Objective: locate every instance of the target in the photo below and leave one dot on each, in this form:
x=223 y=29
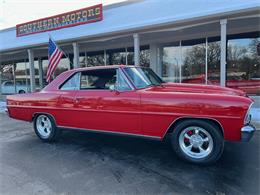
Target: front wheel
x=45 y=128
x=197 y=141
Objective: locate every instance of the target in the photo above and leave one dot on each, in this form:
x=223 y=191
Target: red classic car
x=131 y=100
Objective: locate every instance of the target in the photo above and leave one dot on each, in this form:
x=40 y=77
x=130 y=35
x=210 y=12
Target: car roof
x=63 y=76
x=102 y=67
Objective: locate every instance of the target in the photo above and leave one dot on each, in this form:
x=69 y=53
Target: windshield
x=143 y=77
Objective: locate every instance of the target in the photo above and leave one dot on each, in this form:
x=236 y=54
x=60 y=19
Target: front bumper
x=247 y=132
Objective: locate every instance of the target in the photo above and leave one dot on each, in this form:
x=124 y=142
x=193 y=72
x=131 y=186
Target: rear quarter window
x=73 y=83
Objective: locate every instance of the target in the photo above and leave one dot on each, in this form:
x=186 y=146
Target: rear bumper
x=247 y=132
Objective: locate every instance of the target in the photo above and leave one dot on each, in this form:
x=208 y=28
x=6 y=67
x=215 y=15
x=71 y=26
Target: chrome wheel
x=196 y=142
x=43 y=126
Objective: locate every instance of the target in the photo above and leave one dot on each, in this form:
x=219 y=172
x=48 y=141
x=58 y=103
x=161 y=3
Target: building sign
x=73 y=18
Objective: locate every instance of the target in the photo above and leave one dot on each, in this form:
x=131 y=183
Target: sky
x=13 y=12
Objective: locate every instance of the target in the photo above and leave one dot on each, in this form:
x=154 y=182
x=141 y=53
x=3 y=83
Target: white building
x=209 y=42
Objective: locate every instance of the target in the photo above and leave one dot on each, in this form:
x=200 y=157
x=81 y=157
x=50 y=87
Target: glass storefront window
x=22 y=77
x=243 y=65
x=63 y=66
x=7 y=79
x=186 y=62
x=95 y=58
x=44 y=70
x=213 y=56
x=82 y=60
x=130 y=56
x=193 y=61
x=37 y=77
x=116 y=56
x=144 y=56
x=171 y=62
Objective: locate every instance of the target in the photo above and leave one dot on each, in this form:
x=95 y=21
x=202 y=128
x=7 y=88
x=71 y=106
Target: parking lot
x=88 y=163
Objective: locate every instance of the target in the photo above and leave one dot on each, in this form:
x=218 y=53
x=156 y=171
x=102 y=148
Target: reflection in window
x=144 y=56
x=98 y=79
x=213 y=62
x=63 y=66
x=116 y=56
x=73 y=83
x=122 y=85
x=36 y=69
x=243 y=65
x=171 y=62
x=95 y=58
x=193 y=61
x=130 y=56
x=189 y=60
x=22 y=77
x=7 y=79
x=82 y=60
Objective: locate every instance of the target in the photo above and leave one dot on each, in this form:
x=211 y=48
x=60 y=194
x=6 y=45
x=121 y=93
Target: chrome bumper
x=247 y=132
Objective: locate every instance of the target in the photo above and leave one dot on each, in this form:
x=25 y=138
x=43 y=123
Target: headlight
x=247 y=119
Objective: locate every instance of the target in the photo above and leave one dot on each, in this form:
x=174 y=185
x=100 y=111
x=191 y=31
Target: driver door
x=119 y=107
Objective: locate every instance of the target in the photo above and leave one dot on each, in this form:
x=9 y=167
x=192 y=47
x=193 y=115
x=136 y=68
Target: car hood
x=194 y=88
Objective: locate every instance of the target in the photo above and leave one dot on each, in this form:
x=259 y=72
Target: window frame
x=118 y=71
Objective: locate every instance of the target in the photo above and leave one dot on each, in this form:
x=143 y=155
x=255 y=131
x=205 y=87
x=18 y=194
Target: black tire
x=21 y=92
x=213 y=131
x=54 y=132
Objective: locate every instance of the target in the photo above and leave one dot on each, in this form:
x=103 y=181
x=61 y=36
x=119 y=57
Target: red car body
x=148 y=112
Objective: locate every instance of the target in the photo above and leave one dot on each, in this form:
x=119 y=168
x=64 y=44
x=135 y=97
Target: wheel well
x=39 y=113
x=179 y=120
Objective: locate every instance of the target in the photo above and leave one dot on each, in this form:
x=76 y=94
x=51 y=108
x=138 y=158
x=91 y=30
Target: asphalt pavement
x=89 y=163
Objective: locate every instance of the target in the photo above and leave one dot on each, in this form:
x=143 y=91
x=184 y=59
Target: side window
x=87 y=81
x=9 y=84
x=122 y=84
x=72 y=84
x=99 y=79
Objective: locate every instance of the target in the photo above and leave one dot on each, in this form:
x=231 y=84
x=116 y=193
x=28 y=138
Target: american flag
x=54 y=56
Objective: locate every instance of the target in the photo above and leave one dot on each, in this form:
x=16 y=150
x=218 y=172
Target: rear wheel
x=197 y=141
x=45 y=128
